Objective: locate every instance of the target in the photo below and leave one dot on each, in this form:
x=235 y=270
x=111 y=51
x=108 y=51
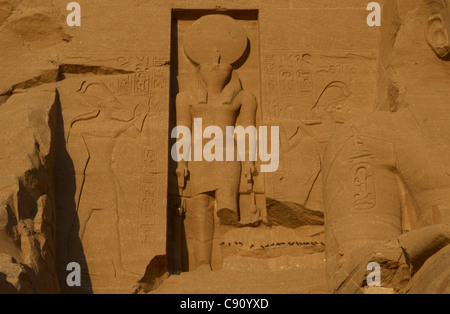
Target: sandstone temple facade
x=348 y=168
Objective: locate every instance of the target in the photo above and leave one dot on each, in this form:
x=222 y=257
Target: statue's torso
x=221 y=115
x=208 y=176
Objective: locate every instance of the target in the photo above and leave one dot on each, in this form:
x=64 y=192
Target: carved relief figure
x=99 y=130
x=308 y=138
x=387 y=183
x=214 y=43
x=330 y=87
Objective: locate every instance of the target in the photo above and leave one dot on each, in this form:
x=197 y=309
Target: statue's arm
x=247 y=115
x=362 y=193
x=247 y=118
x=184 y=119
x=110 y=128
x=362 y=199
x=358 y=235
x=296 y=140
x=119 y=126
x=74 y=124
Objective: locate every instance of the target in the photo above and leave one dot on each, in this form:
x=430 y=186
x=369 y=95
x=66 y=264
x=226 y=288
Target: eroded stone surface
x=27 y=199
x=86 y=175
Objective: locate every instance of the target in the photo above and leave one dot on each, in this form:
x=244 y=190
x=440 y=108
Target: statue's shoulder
x=245 y=98
x=246 y=94
x=185 y=98
x=243 y=95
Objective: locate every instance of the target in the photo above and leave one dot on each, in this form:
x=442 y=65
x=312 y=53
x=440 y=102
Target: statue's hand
x=393 y=266
x=249 y=170
x=141 y=110
x=182 y=173
x=140 y=114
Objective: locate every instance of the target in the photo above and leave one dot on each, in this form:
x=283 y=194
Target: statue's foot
x=228 y=217
x=205 y=268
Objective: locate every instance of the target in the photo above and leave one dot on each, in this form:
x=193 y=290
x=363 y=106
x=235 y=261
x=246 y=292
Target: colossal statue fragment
x=387 y=184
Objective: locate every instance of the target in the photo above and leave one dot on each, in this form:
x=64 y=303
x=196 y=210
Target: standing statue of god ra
x=215 y=101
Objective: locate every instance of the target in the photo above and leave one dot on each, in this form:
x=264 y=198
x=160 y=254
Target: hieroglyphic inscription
x=362 y=175
x=363 y=187
x=150 y=79
x=309 y=94
x=134 y=92
x=298 y=78
x=148 y=84
x=148 y=204
x=358 y=148
x=279 y=186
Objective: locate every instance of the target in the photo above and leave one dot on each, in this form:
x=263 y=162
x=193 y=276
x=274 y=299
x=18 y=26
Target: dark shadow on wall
x=177 y=257
x=68 y=244
x=292 y=215
x=155 y=273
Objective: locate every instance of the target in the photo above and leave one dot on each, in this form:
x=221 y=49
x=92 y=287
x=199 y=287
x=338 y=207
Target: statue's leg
x=201 y=220
x=115 y=243
x=227 y=205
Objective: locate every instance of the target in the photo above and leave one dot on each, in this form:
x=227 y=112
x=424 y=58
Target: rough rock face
x=27 y=200
x=87 y=176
